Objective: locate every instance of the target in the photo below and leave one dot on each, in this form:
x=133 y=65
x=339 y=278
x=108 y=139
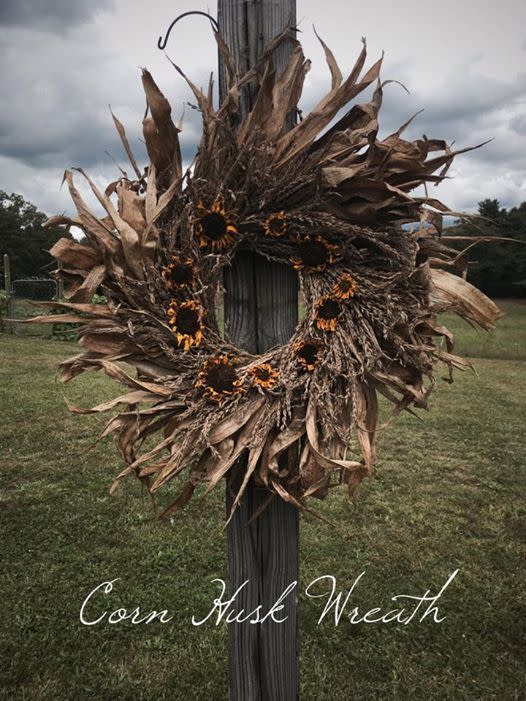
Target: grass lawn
x=507 y=341
x=447 y=494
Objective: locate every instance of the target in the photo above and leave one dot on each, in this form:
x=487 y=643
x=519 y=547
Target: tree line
x=24 y=239
x=497 y=268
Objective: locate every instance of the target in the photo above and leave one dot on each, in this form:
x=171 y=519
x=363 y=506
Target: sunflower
x=276 y=225
x=346 y=287
x=186 y=321
x=216 y=227
x=178 y=273
x=264 y=375
x=314 y=254
x=328 y=311
x=218 y=378
x=308 y=353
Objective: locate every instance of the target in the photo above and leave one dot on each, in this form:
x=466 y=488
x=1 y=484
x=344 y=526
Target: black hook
x=161 y=44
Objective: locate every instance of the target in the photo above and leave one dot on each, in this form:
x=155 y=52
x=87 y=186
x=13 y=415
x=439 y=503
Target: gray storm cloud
x=51 y=14
x=57 y=85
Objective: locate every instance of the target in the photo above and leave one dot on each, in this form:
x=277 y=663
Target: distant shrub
x=60 y=331
x=68 y=332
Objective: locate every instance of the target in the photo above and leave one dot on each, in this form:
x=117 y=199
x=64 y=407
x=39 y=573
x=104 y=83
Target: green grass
x=446 y=495
x=507 y=341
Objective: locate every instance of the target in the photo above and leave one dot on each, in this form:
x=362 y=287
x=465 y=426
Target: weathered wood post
x=261 y=311
x=9 y=326
x=60 y=282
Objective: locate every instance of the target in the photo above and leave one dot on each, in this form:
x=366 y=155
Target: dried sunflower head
x=264 y=375
x=216 y=226
x=276 y=225
x=186 y=321
x=178 y=273
x=328 y=311
x=218 y=378
x=314 y=254
x=345 y=288
x=308 y=353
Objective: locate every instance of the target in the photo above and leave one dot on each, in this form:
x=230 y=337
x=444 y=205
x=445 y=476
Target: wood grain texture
x=240 y=302
x=263 y=658
x=261 y=302
x=261 y=311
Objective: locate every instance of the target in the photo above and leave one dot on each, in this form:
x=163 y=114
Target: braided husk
x=330 y=202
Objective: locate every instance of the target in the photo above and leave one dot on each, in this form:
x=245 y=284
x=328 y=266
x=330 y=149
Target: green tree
x=23 y=237
x=491 y=209
x=497 y=268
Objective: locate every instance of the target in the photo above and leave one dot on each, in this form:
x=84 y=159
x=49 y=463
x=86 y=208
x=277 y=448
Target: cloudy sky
x=65 y=61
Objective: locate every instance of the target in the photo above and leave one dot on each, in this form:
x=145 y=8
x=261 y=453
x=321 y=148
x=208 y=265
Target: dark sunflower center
x=221 y=378
x=187 y=321
x=263 y=374
x=308 y=353
x=328 y=309
x=276 y=225
x=214 y=225
x=313 y=253
x=345 y=285
x=181 y=274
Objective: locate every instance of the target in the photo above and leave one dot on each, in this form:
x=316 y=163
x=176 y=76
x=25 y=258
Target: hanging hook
x=161 y=44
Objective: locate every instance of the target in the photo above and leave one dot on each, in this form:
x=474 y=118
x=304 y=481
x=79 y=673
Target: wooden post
x=60 y=282
x=7 y=274
x=9 y=326
x=261 y=311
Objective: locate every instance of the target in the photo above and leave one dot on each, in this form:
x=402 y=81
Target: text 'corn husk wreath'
x=330 y=203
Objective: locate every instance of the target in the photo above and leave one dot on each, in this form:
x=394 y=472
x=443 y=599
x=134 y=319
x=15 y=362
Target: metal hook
x=161 y=44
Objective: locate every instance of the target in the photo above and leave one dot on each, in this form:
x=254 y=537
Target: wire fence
x=24 y=304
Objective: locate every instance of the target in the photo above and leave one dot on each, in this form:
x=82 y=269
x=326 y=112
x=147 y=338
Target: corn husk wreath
x=329 y=202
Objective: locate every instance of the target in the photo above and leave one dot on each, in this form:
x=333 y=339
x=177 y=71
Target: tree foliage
x=497 y=268
x=24 y=239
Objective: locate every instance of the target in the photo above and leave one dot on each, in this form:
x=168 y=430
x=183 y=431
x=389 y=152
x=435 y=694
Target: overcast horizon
x=63 y=64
